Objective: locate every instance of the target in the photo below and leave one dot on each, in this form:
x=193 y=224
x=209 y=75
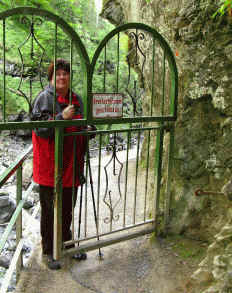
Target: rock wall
x=203 y=141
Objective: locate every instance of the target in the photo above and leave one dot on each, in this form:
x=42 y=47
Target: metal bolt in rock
x=200 y=192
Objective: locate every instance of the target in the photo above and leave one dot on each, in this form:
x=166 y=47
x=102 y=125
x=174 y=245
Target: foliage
x=31 y=62
x=78 y=14
x=224 y=6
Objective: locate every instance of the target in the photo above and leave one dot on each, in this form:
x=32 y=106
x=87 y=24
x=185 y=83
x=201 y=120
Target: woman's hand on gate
x=91 y=128
x=68 y=112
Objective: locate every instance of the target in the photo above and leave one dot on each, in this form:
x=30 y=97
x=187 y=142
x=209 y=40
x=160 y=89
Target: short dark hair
x=60 y=64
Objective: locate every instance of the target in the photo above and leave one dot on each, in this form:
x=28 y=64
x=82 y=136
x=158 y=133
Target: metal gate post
x=19 y=263
x=57 y=244
x=4 y=71
x=158 y=169
x=168 y=185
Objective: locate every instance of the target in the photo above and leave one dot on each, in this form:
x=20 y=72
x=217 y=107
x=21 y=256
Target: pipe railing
x=16 y=219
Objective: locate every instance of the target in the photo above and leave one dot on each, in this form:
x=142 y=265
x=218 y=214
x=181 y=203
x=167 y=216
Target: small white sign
x=107 y=105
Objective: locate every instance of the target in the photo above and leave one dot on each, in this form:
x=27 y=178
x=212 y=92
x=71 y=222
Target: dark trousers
x=46 y=194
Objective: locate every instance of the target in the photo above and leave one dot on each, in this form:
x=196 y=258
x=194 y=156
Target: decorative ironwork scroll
x=133 y=58
x=33 y=71
x=108 y=199
x=133 y=55
x=134 y=98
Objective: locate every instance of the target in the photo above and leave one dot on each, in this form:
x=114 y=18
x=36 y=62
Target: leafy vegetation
x=225 y=6
x=78 y=14
x=30 y=48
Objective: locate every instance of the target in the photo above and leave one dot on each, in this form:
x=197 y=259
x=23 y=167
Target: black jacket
x=42 y=109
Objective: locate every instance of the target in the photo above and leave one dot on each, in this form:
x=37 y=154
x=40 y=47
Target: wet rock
x=4 y=199
x=27 y=172
x=5 y=164
x=220 y=261
x=4 y=261
x=227 y=190
x=28 y=204
x=26 y=248
x=11 y=288
x=11 y=245
x=213 y=289
x=213 y=249
x=5 y=133
x=202 y=276
x=36 y=188
x=228 y=279
x=6 y=212
x=113 y=12
x=217 y=263
x=22 y=116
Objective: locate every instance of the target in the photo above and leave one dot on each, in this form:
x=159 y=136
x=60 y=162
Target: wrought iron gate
x=130 y=93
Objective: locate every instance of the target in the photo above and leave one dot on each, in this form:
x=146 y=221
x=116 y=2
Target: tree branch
x=16 y=92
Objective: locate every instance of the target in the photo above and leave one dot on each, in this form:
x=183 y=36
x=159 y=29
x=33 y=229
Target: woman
x=43 y=155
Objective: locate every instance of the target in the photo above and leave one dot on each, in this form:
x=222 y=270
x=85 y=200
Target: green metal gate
x=130 y=93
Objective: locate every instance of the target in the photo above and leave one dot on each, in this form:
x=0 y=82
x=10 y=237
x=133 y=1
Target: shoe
x=80 y=256
x=50 y=262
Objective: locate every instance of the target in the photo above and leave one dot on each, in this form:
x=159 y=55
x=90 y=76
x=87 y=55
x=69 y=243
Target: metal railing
x=16 y=219
x=113 y=196
x=160 y=109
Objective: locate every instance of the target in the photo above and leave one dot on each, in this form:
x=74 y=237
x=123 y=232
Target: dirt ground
x=140 y=265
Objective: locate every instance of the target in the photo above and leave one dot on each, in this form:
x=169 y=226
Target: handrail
x=83 y=122
x=16 y=217
x=18 y=251
x=12 y=169
x=90 y=132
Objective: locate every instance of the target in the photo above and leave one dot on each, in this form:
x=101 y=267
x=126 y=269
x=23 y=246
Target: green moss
x=153 y=237
x=187 y=249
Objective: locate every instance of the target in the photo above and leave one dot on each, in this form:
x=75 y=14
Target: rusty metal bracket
x=200 y=192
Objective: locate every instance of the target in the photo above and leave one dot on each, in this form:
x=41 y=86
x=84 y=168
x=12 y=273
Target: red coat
x=44 y=154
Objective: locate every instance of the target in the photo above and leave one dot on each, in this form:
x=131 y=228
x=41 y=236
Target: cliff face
x=202 y=46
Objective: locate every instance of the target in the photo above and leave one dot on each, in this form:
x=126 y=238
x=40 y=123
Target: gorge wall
x=202 y=46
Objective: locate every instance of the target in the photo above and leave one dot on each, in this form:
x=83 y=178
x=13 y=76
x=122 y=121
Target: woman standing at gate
x=43 y=155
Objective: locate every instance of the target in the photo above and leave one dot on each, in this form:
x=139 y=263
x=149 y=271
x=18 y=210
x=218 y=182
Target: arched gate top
x=56 y=19
x=141 y=26
x=156 y=52
x=137 y=32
